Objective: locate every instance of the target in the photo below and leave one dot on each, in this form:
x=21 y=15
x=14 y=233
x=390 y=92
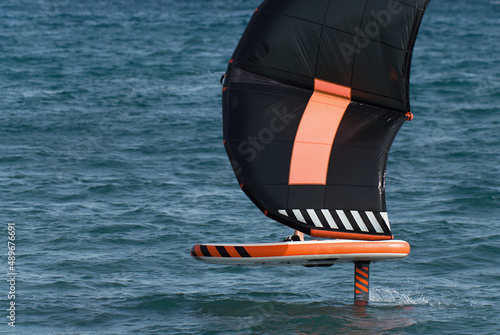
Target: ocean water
x=112 y=167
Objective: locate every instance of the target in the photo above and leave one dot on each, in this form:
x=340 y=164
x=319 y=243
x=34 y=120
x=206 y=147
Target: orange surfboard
x=307 y=253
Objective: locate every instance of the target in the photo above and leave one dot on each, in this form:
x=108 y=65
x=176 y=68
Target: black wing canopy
x=314 y=95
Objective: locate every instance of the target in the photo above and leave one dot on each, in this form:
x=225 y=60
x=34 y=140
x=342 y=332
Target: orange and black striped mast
x=361 y=283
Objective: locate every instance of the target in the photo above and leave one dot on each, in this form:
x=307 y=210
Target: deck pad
x=307 y=253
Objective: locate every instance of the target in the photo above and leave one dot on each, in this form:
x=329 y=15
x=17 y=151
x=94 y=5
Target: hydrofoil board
x=307 y=253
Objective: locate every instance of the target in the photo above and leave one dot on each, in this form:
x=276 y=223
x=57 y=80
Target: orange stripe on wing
x=316 y=133
x=331 y=88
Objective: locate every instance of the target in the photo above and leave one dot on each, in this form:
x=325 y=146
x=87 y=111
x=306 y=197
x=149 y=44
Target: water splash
x=393 y=296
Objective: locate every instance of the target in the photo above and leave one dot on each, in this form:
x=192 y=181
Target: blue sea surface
x=112 y=167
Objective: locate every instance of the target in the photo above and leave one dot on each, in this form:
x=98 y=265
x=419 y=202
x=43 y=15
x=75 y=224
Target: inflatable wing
x=314 y=96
